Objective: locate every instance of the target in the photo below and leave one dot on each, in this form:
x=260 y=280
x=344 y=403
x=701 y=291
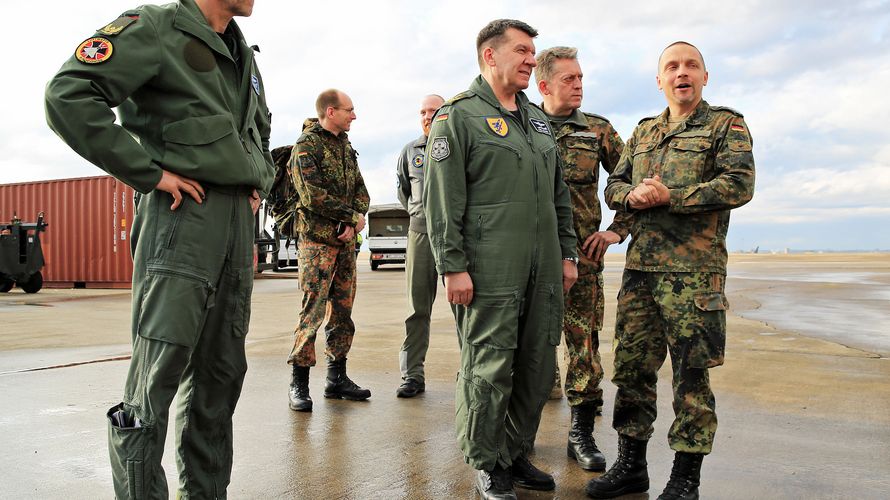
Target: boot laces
x=679 y=485
x=621 y=466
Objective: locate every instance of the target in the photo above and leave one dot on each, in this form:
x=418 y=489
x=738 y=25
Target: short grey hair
x=546 y=59
x=494 y=31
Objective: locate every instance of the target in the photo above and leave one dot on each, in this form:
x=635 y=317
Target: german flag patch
x=737 y=127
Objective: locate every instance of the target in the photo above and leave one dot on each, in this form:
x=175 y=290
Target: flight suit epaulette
x=647 y=119
x=594 y=115
x=463 y=95
x=728 y=109
x=120 y=24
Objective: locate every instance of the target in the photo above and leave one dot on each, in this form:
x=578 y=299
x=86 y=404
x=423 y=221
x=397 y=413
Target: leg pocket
x=492 y=318
x=130 y=452
x=553 y=301
x=475 y=424
x=173 y=305
x=707 y=347
x=238 y=301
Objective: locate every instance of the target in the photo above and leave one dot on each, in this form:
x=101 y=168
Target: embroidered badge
x=118 y=25
x=94 y=50
x=498 y=126
x=737 y=127
x=418 y=160
x=442 y=118
x=256 y=84
x=540 y=125
x=439 y=149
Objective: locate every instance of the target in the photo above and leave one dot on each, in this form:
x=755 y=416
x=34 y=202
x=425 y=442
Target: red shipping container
x=87 y=243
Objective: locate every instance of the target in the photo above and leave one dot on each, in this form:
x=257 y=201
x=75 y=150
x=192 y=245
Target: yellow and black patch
x=120 y=24
x=498 y=126
x=94 y=50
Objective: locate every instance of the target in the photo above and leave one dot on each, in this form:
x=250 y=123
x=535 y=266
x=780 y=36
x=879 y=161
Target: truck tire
x=374 y=265
x=6 y=284
x=34 y=283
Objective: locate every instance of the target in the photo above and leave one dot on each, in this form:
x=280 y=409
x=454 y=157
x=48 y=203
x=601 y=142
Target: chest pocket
x=643 y=161
x=686 y=161
x=493 y=172
x=581 y=160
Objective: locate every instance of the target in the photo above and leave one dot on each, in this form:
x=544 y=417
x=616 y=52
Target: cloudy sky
x=811 y=78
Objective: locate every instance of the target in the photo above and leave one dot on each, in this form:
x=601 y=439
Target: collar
x=312 y=125
x=420 y=142
x=483 y=90
x=698 y=117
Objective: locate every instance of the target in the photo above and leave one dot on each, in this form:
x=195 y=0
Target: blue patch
x=256 y=84
x=418 y=160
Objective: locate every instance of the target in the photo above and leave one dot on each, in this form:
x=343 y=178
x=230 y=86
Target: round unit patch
x=94 y=50
x=418 y=160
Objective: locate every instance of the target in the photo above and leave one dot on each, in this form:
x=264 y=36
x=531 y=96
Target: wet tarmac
x=800 y=416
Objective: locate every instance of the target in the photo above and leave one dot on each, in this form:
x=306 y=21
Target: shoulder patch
x=118 y=25
x=727 y=109
x=441 y=117
x=463 y=95
x=439 y=149
x=594 y=115
x=94 y=50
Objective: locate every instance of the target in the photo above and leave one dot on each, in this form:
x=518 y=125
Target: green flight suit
x=185 y=105
x=497 y=207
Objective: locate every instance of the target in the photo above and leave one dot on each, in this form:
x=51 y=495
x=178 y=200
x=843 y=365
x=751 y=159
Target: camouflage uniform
x=671 y=298
x=331 y=192
x=586 y=141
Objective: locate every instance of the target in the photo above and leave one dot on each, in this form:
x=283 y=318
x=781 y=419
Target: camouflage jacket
x=331 y=190
x=587 y=141
x=707 y=164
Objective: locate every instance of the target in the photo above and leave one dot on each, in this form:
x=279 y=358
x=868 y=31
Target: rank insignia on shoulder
x=442 y=117
x=94 y=50
x=118 y=25
x=498 y=126
x=439 y=149
x=540 y=126
x=418 y=160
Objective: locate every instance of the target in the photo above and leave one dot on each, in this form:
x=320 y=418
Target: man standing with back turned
x=420 y=269
x=680 y=175
x=500 y=224
x=193 y=140
x=586 y=141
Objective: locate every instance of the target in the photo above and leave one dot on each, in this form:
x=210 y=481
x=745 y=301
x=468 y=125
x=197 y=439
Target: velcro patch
x=418 y=160
x=94 y=50
x=540 y=126
x=439 y=149
x=442 y=117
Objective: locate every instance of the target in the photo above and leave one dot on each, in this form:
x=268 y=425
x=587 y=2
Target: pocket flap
x=695 y=145
x=644 y=147
x=710 y=301
x=198 y=130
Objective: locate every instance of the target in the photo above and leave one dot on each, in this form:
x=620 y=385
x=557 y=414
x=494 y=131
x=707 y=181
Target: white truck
x=387 y=234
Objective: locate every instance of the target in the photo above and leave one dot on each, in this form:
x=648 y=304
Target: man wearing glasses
x=331 y=210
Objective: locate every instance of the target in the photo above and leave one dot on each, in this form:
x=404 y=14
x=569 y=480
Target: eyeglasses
x=348 y=110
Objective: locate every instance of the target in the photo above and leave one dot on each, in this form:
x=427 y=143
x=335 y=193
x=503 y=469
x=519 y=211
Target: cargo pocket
x=129 y=446
x=551 y=320
x=238 y=310
x=708 y=346
x=475 y=431
x=174 y=304
x=492 y=319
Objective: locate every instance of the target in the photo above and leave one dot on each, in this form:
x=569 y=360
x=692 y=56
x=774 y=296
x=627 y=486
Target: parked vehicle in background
x=21 y=256
x=387 y=234
x=287 y=252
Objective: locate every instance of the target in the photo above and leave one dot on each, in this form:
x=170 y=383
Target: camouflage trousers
x=581 y=325
x=327 y=279
x=683 y=314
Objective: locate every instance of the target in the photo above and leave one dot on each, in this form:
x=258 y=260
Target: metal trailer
x=387 y=234
x=21 y=256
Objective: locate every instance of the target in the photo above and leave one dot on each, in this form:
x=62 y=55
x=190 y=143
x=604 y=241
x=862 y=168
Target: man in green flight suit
x=680 y=175
x=499 y=219
x=586 y=141
x=193 y=141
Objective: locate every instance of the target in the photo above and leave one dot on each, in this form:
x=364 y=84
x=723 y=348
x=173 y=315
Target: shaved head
x=680 y=42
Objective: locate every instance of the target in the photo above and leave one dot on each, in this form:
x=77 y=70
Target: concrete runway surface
x=801 y=415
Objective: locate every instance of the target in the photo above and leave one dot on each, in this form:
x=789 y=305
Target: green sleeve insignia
x=118 y=25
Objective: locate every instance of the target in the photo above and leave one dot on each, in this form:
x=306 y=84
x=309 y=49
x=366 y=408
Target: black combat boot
x=582 y=446
x=495 y=484
x=526 y=475
x=627 y=475
x=685 y=476
x=340 y=386
x=299 y=390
